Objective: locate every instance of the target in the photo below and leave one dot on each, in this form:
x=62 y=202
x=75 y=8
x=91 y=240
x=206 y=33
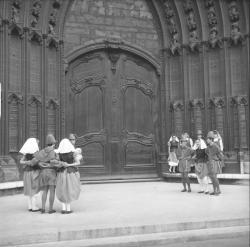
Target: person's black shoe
x=184 y=190
x=42 y=211
x=213 y=194
x=189 y=190
x=30 y=210
x=36 y=210
x=206 y=193
x=52 y=211
x=201 y=191
x=68 y=212
x=63 y=212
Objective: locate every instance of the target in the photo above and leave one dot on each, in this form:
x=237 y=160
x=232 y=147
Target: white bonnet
x=30 y=146
x=65 y=146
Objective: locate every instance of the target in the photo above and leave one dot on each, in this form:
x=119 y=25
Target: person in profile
x=31 y=172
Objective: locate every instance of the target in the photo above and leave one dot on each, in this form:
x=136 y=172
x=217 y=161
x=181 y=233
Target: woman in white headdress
x=31 y=172
x=173 y=145
x=68 y=186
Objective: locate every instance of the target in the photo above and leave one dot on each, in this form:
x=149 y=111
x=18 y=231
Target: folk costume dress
x=31 y=172
x=184 y=155
x=68 y=186
x=201 y=165
x=172 y=159
x=48 y=169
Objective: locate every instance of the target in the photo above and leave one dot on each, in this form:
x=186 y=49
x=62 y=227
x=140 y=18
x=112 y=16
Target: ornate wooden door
x=112 y=109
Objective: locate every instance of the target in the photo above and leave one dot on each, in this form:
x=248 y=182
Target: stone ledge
x=11 y=185
x=223 y=176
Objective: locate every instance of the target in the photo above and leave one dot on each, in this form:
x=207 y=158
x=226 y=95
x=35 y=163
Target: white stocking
x=33 y=203
x=29 y=202
x=63 y=206
x=67 y=206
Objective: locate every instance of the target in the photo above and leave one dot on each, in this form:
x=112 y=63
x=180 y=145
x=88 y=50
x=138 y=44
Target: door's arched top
x=114 y=44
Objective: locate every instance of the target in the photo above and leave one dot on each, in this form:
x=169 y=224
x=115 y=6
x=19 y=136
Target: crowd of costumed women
x=51 y=171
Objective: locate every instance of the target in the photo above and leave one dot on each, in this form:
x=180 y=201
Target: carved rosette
x=236 y=37
x=197 y=105
x=175 y=46
x=177 y=108
x=241 y=103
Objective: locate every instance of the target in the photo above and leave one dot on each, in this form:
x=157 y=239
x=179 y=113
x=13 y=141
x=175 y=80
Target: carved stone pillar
x=197 y=105
x=177 y=108
x=219 y=104
x=241 y=102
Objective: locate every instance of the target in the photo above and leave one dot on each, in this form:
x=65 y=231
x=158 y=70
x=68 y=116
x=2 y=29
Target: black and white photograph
x=124 y=123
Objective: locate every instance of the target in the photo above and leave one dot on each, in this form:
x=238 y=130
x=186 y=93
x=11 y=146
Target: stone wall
x=129 y=20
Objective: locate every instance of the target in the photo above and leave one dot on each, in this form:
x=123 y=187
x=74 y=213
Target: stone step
x=72 y=234
x=154 y=239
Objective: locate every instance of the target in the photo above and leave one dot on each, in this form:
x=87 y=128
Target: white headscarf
x=30 y=146
x=171 y=139
x=65 y=146
x=202 y=145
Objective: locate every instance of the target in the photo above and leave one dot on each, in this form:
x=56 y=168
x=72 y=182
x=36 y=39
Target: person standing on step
x=201 y=163
x=31 y=172
x=68 y=180
x=184 y=155
x=215 y=157
x=173 y=145
x=47 y=181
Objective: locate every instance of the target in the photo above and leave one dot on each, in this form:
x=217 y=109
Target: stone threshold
x=222 y=176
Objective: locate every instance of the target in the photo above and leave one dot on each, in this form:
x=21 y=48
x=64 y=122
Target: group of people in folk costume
x=205 y=156
x=51 y=170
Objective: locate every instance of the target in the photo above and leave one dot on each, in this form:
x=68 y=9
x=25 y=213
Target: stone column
x=241 y=102
x=177 y=108
x=219 y=104
x=197 y=105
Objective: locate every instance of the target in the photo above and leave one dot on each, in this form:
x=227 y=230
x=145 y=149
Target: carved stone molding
x=137 y=137
x=15 y=96
x=15 y=29
x=36 y=37
x=52 y=42
x=94 y=137
x=196 y=103
x=52 y=102
x=177 y=105
x=35 y=99
x=217 y=102
x=240 y=100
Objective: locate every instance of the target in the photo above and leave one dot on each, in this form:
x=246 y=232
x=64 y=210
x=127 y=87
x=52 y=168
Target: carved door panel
x=113 y=113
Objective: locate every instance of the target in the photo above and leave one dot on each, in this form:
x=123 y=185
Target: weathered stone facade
x=124 y=75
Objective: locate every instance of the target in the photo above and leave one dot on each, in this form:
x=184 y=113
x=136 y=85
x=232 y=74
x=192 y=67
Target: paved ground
x=126 y=204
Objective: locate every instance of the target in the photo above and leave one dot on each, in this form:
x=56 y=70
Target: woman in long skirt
x=31 y=172
x=173 y=144
x=68 y=185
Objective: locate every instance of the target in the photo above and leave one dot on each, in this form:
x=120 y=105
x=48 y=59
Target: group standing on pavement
x=51 y=170
x=206 y=156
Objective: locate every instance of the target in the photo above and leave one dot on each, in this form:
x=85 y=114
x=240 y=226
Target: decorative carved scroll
x=175 y=46
x=78 y=86
x=35 y=12
x=213 y=40
x=194 y=42
x=137 y=137
x=98 y=137
x=236 y=37
x=145 y=86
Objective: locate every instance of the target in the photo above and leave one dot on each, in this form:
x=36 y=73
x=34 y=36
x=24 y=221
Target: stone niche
x=9 y=169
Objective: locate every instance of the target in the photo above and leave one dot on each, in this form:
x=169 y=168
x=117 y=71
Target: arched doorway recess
x=112 y=106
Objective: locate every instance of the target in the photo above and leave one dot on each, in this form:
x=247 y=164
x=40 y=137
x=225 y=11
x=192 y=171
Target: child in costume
x=201 y=163
x=215 y=158
x=173 y=144
x=68 y=185
x=184 y=155
x=31 y=172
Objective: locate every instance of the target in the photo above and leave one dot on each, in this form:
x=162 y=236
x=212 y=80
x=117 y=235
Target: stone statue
x=233 y=12
x=193 y=40
x=236 y=35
